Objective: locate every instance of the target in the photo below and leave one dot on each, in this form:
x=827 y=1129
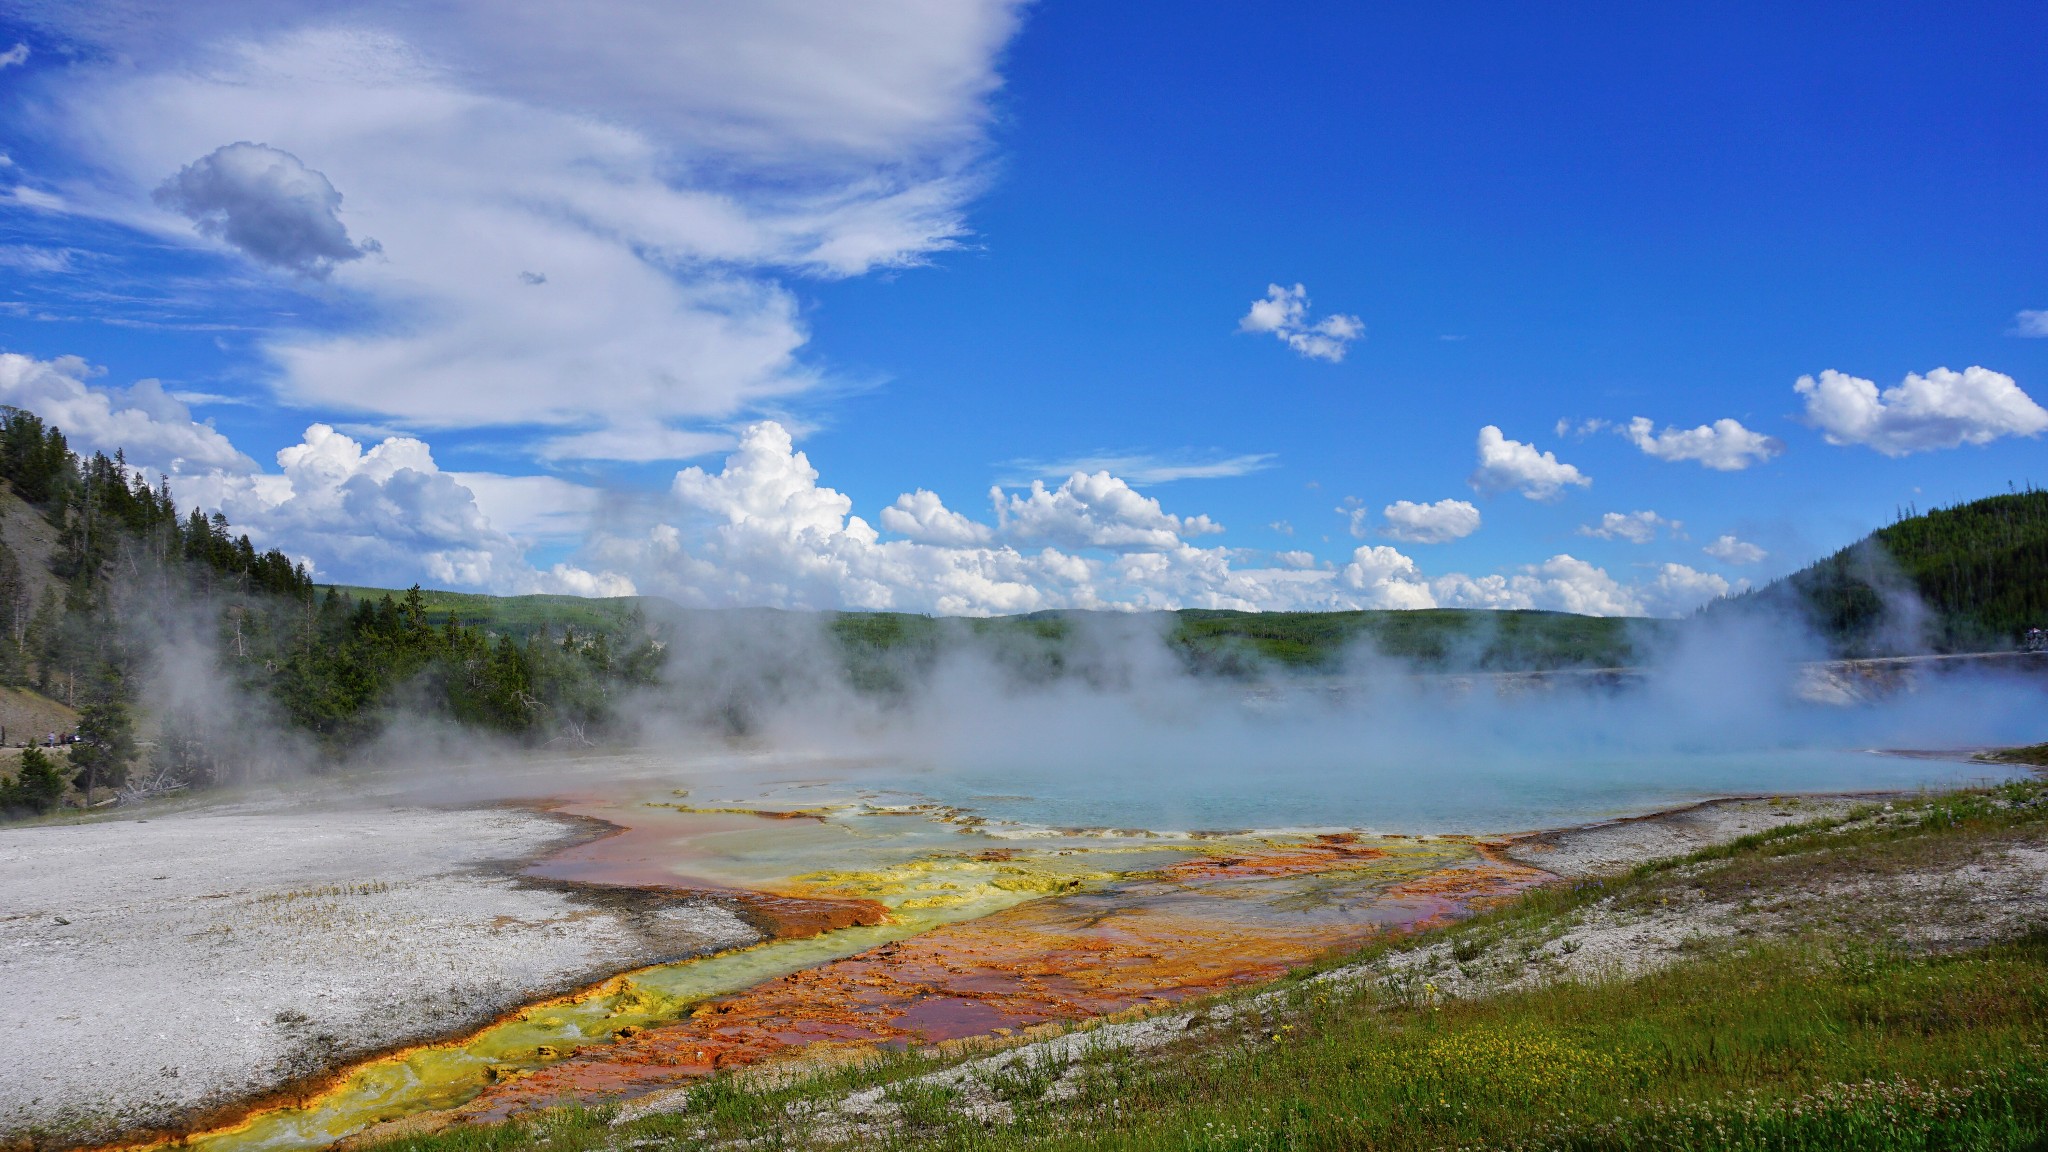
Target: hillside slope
x=1973 y=577
x=33 y=540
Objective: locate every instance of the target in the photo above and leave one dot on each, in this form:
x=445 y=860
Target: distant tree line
x=1972 y=577
x=129 y=571
x=348 y=660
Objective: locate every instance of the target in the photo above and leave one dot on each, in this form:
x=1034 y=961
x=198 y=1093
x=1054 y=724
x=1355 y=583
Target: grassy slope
x=1813 y=1040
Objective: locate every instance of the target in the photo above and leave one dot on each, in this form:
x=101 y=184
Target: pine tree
x=106 y=738
x=37 y=785
x=15 y=606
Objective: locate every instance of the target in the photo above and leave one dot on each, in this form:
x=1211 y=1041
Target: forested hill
x=105 y=586
x=1973 y=577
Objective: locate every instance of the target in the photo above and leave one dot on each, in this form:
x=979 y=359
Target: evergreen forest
x=1970 y=578
x=132 y=582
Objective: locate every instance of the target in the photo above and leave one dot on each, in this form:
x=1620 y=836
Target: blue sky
x=949 y=246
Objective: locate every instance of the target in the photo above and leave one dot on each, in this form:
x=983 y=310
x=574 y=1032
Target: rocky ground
x=158 y=969
x=1621 y=844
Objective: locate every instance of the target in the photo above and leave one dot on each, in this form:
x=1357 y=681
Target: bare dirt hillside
x=33 y=540
x=26 y=716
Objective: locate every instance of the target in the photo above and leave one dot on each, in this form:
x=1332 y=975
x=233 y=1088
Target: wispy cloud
x=14 y=56
x=1635 y=527
x=204 y=398
x=2030 y=322
x=529 y=507
x=1733 y=550
x=1140 y=467
x=521 y=168
x=33 y=258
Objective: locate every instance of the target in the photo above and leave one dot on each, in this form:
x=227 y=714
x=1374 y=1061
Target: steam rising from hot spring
x=1124 y=736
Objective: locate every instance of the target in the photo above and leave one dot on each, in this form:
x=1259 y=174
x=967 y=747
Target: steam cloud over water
x=1108 y=725
x=1121 y=734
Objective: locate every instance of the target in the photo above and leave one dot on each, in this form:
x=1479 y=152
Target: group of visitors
x=49 y=740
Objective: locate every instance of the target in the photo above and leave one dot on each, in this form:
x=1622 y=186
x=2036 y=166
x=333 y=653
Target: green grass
x=1660 y=1063
x=1792 y=1047
x=1822 y=1039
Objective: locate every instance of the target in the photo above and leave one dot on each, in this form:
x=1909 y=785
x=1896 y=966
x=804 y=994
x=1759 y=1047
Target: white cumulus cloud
x=1922 y=413
x=1635 y=527
x=1093 y=511
x=1506 y=464
x=923 y=517
x=267 y=204
x=1725 y=445
x=1565 y=583
x=1284 y=313
x=762 y=530
x=1732 y=550
x=1431 y=523
x=1562 y=583
x=386 y=516
x=1384 y=578
x=155 y=429
x=1678 y=589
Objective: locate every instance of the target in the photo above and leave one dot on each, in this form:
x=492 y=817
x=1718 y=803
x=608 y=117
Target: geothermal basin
x=343 y=958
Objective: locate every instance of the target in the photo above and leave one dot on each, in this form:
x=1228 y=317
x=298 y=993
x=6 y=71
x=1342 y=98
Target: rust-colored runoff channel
x=1193 y=928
